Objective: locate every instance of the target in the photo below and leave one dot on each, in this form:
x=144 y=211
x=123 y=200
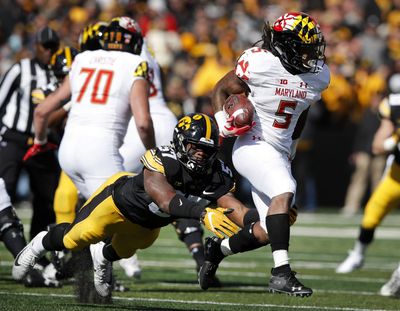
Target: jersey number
x=283 y=104
x=97 y=96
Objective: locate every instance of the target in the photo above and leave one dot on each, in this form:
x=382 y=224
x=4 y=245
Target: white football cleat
x=392 y=287
x=28 y=257
x=131 y=266
x=102 y=270
x=353 y=262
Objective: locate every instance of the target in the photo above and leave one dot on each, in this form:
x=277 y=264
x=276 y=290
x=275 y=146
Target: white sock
x=281 y=257
x=360 y=248
x=37 y=245
x=225 y=248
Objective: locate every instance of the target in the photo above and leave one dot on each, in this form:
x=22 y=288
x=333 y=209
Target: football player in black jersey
x=179 y=181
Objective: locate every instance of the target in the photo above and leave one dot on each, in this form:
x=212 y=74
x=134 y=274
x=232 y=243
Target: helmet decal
x=128 y=24
x=92 y=36
x=184 y=123
x=303 y=25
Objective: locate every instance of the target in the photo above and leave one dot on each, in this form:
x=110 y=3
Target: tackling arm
x=139 y=101
x=159 y=189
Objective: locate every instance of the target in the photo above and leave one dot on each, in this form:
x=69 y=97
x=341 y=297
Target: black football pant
x=43 y=171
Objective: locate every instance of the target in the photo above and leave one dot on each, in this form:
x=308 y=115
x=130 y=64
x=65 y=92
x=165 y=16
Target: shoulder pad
x=251 y=61
x=152 y=162
x=142 y=70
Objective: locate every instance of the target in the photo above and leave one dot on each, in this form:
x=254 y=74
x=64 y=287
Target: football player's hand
x=215 y=220
x=229 y=130
x=38 y=96
x=37 y=149
x=292 y=215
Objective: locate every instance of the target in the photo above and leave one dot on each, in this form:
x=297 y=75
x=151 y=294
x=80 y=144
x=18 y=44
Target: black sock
x=366 y=235
x=278 y=231
x=281 y=270
x=109 y=253
x=244 y=240
x=53 y=240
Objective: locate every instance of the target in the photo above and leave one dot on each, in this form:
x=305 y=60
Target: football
x=240 y=107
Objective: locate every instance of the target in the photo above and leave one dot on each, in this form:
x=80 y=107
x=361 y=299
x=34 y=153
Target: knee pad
x=185 y=227
x=8 y=220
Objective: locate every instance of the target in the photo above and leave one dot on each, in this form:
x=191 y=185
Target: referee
x=16 y=136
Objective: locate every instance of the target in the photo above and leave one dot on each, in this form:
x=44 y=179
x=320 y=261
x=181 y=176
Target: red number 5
x=97 y=96
x=282 y=113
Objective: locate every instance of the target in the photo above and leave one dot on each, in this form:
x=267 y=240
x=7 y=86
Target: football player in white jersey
x=282 y=79
x=106 y=88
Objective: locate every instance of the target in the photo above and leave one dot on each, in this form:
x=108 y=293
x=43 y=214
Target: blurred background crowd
x=197 y=41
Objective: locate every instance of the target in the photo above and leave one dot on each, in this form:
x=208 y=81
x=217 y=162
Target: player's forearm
x=219 y=97
x=229 y=84
x=146 y=133
x=40 y=124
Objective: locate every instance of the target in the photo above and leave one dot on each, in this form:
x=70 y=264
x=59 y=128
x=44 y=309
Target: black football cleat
x=207 y=277
x=287 y=283
x=213 y=256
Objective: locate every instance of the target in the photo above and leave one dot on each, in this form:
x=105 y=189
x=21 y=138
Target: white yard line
x=197 y=302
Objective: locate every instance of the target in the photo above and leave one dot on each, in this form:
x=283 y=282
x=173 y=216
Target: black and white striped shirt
x=16 y=107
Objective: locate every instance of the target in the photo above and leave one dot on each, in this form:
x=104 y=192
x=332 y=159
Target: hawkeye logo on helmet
x=185 y=122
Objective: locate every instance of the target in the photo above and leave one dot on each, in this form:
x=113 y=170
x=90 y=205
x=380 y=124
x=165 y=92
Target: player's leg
x=44 y=173
x=262 y=165
x=11 y=228
x=385 y=198
x=65 y=199
x=190 y=232
x=92 y=224
x=127 y=238
x=251 y=237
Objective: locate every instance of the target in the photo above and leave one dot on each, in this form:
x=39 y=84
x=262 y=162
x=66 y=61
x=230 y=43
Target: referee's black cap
x=47 y=37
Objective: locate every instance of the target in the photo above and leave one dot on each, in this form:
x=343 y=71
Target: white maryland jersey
x=278 y=96
x=156 y=96
x=100 y=86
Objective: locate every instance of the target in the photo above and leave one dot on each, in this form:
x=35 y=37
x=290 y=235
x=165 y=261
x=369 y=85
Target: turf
x=319 y=242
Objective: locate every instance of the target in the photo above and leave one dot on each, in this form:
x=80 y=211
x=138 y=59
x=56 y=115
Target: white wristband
x=37 y=141
x=220 y=117
x=390 y=143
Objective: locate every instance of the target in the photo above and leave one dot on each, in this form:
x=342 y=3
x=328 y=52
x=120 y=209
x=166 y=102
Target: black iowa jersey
x=136 y=205
x=390 y=109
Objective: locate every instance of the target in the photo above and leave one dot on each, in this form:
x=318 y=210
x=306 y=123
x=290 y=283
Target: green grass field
x=319 y=242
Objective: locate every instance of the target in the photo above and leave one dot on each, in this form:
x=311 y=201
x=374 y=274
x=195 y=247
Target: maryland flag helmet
x=123 y=34
x=297 y=40
x=193 y=132
x=91 y=37
x=61 y=61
